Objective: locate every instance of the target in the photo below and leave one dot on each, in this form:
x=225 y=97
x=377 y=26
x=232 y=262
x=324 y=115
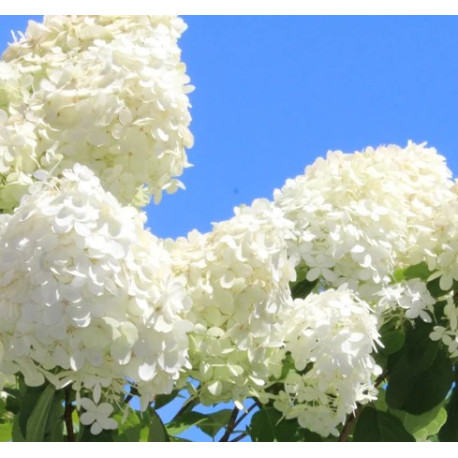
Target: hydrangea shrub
x=328 y=313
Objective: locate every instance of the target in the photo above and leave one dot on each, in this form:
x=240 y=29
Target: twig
x=230 y=425
x=68 y=415
x=353 y=416
x=239 y=437
x=380 y=378
x=244 y=415
x=348 y=424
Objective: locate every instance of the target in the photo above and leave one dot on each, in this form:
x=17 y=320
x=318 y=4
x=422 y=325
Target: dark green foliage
x=376 y=426
x=449 y=431
x=420 y=374
x=39 y=415
x=267 y=425
x=157 y=431
x=163 y=399
x=301 y=288
x=392 y=337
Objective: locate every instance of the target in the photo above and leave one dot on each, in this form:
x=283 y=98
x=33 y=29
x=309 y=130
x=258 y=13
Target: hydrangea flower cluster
x=331 y=337
x=87 y=295
x=442 y=259
x=93 y=121
x=410 y=299
x=238 y=277
x=105 y=91
x=359 y=216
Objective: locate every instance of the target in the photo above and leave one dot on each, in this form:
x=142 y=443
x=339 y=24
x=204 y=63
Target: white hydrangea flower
x=14 y=86
x=358 y=216
x=330 y=337
x=238 y=277
x=98 y=416
x=448 y=331
x=442 y=255
x=412 y=296
x=87 y=295
x=109 y=92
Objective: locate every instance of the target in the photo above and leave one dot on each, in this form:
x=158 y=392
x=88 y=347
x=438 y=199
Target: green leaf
x=213 y=422
x=184 y=422
x=425 y=425
x=55 y=425
x=130 y=429
x=36 y=424
x=421 y=271
x=434 y=288
x=392 y=337
x=420 y=374
x=449 y=431
x=23 y=403
x=163 y=399
x=144 y=432
x=76 y=422
x=6 y=431
x=375 y=426
x=380 y=403
x=188 y=405
x=399 y=275
x=301 y=289
x=16 y=432
x=13 y=400
x=105 y=436
x=301 y=273
x=179 y=439
x=267 y=425
x=157 y=431
x=287 y=366
x=418 y=271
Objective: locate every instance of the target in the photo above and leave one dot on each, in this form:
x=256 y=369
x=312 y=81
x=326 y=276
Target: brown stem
x=239 y=437
x=380 y=378
x=353 y=417
x=68 y=415
x=244 y=415
x=230 y=425
x=348 y=424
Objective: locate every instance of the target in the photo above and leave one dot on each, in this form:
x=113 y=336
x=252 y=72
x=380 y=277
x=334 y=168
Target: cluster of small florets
x=410 y=299
x=87 y=295
x=330 y=337
x=447 y=331
x=441 y=254
x=359 y=216
x=93 y=120
x=14 y=86
x=105 y=91
x=238 y=277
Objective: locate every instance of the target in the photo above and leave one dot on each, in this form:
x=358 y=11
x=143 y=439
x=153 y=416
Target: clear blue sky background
x=274 y=93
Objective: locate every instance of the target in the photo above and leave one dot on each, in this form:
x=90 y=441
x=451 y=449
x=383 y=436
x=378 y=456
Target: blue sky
x=275 y=92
